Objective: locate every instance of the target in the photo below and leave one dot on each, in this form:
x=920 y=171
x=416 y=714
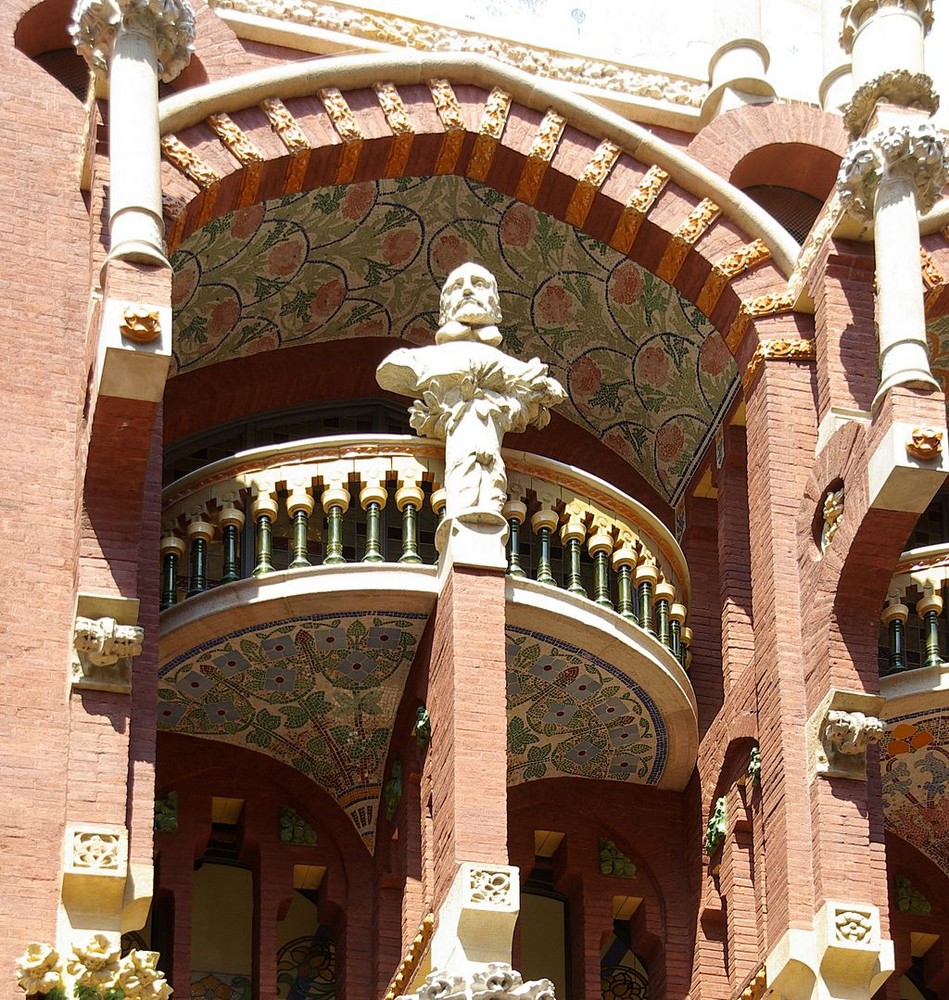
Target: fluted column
x=134 y=43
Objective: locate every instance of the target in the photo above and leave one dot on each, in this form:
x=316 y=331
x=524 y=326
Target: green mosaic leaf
x=395 y=218
x=298 y=306
x=608 y=395
x=518 y=736
x=267 y=720
x=260 y=738
x=195 y=331
x=267 y=286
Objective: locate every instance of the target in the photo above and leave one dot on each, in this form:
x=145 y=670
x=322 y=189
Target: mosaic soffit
x=645 y=371
x=321 y=692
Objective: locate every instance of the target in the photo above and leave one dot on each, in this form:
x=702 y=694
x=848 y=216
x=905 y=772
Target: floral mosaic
x=571 y=713
x=915 y=761
x=645 y=371
x=219 y=986
x=319 y=693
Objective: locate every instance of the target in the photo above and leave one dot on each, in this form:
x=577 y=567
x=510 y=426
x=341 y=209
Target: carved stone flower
x=38 y=969
x=96 y=964
x=140 y=978
x=852 y=925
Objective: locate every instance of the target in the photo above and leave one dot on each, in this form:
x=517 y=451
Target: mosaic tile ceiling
x=915 y=762
x=320 y=693
x=645 y=371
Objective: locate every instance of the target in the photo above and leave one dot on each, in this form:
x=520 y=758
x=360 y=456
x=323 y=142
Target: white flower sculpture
x=140 y=978
x=38 y=969
x=96 y=964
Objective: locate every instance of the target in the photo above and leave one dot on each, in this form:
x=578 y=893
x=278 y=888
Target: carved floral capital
x=857 y=12
x=898 y=86
x=497 y=981
x=916 y=152
x=95 y=24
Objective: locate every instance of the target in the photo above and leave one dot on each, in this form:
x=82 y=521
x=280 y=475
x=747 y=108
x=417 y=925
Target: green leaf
x=518 y=737
x=608 y=395
x=195 y=331
x=298 y=306
x=266 y=720
x=264 y=287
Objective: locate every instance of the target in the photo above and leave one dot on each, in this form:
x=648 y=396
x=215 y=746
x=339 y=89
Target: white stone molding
x=914 y=152
x=839 y=733
x=496 y=981
x=103 y=653
x=96 y=24
x=38 y=969
x=475 y=923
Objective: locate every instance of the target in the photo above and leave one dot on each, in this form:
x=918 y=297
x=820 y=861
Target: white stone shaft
x=904 y=355
x=887 y=37
x=135 y=213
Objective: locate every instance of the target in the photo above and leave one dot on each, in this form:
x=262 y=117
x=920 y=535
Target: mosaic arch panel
x=571 y=713
x=915 y=762
x=317 y=692
x=645 y=371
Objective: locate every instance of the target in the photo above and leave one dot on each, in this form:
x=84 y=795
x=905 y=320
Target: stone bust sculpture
x=472 y=394
x=470 y=308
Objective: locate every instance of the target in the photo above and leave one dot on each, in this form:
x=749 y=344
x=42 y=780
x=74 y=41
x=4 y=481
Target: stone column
x=135 y=43
x=889 y=177
x=893 y=170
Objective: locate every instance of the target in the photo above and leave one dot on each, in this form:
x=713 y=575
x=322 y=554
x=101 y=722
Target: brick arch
x=582 y=174
x=790 y=145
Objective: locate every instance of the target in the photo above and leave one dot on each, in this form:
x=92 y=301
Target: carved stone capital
x=95 y=869
x=496 y=981
x=95 y=24
x=898 y=86
x=103 y=653
x=840 y=731
x=916 y=152
x=857 y=12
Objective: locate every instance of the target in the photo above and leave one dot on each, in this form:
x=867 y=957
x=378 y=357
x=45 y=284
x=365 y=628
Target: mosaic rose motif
x=519 y=226
x=366 y=260
x=626 y=284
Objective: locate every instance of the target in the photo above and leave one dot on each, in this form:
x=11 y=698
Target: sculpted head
x=469 y=308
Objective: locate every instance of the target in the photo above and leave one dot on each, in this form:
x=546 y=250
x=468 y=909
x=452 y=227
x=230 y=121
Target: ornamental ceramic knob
x=95 y=24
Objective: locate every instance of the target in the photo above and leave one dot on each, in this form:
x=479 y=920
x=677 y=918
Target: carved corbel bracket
x=95 y=869
x=839 y=733
x=496 y=980
x=105 y=641
x=475 y=923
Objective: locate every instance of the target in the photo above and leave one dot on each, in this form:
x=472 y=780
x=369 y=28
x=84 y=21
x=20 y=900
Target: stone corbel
x=497 y=980
x=475 y=923
x=95 y=869
x=105 y=641
x=843 y=956
x=839 y=733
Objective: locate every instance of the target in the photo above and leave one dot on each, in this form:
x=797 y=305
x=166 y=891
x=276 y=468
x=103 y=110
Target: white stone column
x=890 y=176
x=884 y=36
x=136 y=43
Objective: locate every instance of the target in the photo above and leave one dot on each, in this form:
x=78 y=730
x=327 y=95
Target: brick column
x=467 y=702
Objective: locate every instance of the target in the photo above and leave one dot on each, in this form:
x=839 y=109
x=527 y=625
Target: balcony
x=297 y=580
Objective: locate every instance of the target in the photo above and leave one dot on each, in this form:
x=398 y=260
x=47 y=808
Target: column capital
x=95 y=24
x=916 y=152
x=894 y=86
x=856 y=13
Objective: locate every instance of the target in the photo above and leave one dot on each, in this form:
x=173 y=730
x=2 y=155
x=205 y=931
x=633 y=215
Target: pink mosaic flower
x=518 y=226
x=449 y=251
x=555 y=304
x=328 y=298
x=714 y=356
x=285 y=257
x=669 y=443
x=358 y=200
x=184 y=283
x=398 y=246
x=652 y=365
x=585 y=376
x=627 y=284
x=247 y=221
x=223 y=317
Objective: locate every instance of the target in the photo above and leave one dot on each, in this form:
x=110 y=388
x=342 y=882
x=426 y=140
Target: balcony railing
x=914 y=627
x=329 y=501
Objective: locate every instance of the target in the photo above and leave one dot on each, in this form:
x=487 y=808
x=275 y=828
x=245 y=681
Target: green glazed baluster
x=373 y=499
x=335 y=504
x=409 y=499
x=232 y=522
x=265 y=513
x=894 y=616
x=929 y=608
x=600 y=546
x=516 y=513
x=172 y=549
x=544 y=522
x=200 y=534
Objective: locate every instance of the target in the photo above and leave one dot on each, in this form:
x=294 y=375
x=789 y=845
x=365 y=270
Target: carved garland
x=778 y=349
